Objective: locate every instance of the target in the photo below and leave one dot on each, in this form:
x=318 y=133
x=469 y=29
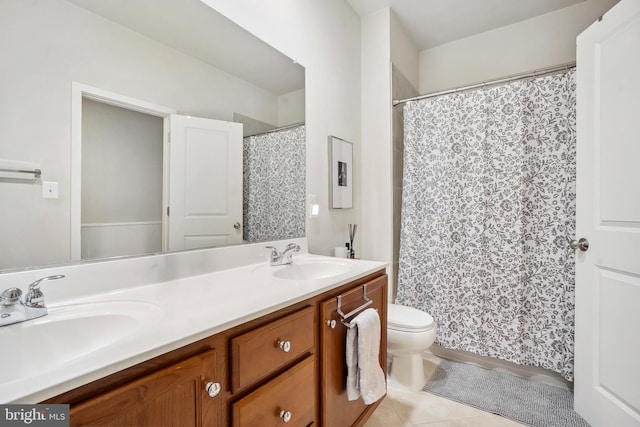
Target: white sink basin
x=68 y=333
x=312 y=269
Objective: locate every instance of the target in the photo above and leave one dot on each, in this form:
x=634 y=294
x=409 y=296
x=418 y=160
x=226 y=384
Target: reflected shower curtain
x=488 y=205
x=274 y=190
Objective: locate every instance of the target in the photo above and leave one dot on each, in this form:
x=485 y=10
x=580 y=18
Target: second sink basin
x=312 y=269
x=68 y=333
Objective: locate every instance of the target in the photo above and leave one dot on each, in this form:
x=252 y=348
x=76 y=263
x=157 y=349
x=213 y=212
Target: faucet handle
x=36 y=284
x=35 y=297
x=294 y=246
x=287 y=254
x=11 y=296
x=274 y=251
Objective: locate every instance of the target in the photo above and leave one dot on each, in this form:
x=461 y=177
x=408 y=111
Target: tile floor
x=413 y=409
x=408 y=409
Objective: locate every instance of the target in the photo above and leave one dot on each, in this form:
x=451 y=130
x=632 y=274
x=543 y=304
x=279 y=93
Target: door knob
x=237 y=226
x=582 y=244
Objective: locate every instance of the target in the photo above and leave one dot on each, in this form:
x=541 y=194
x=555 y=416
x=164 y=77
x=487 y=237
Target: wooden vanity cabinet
x=287 y=365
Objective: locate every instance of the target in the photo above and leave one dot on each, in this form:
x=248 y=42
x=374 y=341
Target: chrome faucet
x=286 y=257
x=14 y=310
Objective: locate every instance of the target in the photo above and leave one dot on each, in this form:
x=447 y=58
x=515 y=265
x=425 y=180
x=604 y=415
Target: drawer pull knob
x=213 y=388
x=285 y=346
x=331 y=324
x=286 y=416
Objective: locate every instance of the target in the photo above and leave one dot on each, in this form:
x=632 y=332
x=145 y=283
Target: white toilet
x=409 y=333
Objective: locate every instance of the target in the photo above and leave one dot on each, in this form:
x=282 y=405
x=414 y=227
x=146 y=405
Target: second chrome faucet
x=286 y=257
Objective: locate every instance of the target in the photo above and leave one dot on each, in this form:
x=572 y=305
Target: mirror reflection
x=157 y=125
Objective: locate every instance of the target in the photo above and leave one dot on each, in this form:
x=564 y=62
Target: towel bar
x=16 y=169
x=344 y=316
x=36 y=172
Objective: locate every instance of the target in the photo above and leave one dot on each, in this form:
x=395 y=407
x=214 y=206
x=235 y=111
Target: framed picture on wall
x=341 y=173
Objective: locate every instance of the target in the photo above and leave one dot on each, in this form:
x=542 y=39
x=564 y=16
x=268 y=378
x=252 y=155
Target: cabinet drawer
x=291 y=395
x=260 y=352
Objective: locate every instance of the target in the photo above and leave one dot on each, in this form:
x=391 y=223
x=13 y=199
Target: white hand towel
x=353 y=382
x=365 y=338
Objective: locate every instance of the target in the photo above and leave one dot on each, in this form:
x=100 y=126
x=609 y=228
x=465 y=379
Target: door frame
x=78 y=92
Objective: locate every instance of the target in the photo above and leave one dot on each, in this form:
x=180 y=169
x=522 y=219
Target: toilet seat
x=408 y=319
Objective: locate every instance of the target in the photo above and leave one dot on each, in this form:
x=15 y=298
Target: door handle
x=237 y=226
x=582 y=244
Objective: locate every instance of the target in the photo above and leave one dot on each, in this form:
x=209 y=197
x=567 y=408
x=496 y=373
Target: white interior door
x=205 y=183
x=607 y=369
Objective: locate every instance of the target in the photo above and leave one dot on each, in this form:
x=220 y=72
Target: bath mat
x=525 y=401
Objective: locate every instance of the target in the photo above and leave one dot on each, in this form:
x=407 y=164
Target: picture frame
x=340 y=173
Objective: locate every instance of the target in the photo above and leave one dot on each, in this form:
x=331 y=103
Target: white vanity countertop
x=180 y=312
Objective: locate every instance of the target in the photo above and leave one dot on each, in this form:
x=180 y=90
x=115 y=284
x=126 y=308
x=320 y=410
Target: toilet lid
x=404 y=318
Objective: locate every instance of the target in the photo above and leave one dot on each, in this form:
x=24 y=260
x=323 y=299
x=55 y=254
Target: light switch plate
x=49 y=190
x=314 y=207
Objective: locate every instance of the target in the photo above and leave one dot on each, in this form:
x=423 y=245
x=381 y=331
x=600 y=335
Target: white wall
x=404 y=54
x=118 y=239
x=121 y=164
x=48 y=44
x=535 y=43
x=291 y=108
x=324 y=37
x=405 y=80
x=376 y=136
x=384 y=41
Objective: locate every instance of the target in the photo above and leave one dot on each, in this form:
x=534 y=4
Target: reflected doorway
x=128 y=110
x=122 y=175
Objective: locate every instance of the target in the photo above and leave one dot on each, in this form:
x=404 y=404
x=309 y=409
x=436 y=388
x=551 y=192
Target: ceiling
x=429 y=22
x=194 y=28
x=434 y=22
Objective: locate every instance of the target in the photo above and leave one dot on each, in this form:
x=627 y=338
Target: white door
x=205 y=183
x=607 y=346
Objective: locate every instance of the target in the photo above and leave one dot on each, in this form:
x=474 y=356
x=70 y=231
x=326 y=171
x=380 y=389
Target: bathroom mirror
x=178 y=55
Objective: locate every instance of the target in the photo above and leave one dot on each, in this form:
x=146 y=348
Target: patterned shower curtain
x=274 y=190
x=488 y=205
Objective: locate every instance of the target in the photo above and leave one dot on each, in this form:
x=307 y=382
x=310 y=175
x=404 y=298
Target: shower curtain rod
x=295 y=125
x=538 y=73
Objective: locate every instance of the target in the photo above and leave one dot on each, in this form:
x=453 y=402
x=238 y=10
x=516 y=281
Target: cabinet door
x=173 y=396
x=337 y=410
